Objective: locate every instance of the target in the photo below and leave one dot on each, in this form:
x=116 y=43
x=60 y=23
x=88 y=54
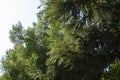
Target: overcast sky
x=12 y=11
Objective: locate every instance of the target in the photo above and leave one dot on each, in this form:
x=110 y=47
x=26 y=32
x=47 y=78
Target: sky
x=12 y=11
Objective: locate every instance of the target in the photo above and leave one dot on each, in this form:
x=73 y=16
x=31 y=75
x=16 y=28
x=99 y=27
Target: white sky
x=12 y=11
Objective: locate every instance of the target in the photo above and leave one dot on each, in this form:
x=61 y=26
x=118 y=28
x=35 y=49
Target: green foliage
x=16 y=64
x=72 y=40
x=17 y=33
x=89 y=38
x=114 y=71
x=3 y=78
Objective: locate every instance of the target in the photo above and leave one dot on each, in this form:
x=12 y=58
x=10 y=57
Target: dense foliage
x=72 y=40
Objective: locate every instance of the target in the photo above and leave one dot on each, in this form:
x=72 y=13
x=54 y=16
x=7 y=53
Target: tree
x=73 y=40
x=28 y=56
x=17 y=33
x=90 y=38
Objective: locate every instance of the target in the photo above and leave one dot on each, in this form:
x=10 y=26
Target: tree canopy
x=72 y=40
